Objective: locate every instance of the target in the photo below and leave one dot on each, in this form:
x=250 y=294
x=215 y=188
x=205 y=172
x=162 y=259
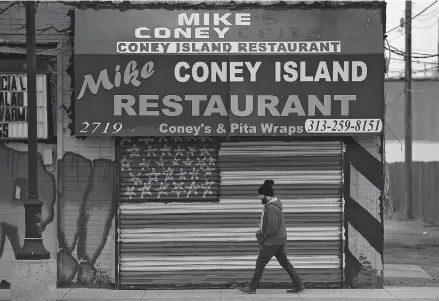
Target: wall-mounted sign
x=253 y=72
x=14 y=106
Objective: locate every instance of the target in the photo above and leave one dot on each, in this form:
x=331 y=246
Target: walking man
x=272 y=237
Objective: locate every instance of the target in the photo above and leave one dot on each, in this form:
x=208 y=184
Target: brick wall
x=52 y=21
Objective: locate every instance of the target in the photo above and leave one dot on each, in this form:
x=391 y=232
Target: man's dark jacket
x=274 y=231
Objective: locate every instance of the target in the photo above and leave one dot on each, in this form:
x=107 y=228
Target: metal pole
x=33 y=248
x=408 y=108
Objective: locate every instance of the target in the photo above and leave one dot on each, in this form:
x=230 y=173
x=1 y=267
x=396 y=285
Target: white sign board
x=14 y=106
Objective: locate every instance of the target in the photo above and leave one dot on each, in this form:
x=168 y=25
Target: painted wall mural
x=13 y=190
x=82 y=238
x=87 y=206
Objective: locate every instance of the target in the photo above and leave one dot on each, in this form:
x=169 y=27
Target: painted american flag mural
x=169 y=169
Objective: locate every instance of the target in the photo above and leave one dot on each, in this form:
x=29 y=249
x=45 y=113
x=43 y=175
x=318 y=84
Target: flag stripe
x=294 y=163
x=231 y=207
x=169 y=263
x=308 y=190
x=272 y=278
x=236 y=248
x=222 y=234
x=225 y=219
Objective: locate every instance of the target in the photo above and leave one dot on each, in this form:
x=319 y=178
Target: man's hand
x=259 y=236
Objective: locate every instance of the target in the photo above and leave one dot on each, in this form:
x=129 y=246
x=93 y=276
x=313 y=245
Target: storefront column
x=363 y=220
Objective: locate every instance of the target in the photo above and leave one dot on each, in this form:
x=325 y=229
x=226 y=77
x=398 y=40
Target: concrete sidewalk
x=410 y=293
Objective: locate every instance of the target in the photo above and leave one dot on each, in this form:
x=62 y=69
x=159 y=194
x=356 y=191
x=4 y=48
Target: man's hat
x=266 y=188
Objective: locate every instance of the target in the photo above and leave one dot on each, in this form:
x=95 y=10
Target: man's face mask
x=263 y=199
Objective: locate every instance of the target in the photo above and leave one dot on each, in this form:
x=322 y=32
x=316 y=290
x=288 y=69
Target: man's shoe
x=247 y=290
x=296 y=290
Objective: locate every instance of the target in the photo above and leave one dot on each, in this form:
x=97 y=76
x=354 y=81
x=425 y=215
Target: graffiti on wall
x=86 y=196
x=13 y=191
x=87 y=206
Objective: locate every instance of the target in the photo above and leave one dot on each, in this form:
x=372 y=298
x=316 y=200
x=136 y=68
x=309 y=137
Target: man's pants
x=265 y=255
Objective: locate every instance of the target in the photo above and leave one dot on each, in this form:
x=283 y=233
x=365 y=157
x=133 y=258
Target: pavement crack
x=143 y=296
x=66 y=294
x=385 y=288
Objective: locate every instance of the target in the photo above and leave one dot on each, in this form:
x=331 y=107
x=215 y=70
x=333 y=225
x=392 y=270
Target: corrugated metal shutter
x=308 y=180
x=212 y=244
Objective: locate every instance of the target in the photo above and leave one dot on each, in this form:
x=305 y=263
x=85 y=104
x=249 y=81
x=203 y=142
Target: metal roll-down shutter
x=165 y=186
x=206 y=239
x=308 y=181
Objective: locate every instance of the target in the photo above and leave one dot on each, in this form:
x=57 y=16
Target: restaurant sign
x=14 y=106
x=254 y=72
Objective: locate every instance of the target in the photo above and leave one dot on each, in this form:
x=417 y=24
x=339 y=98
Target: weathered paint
x=85 y=215
x=86 y=212
x=13 y=189
x=84 y=228
x=363 y=190
x=13 y=31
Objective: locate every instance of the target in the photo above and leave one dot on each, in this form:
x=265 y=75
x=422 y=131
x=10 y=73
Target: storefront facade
x=172 y=143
